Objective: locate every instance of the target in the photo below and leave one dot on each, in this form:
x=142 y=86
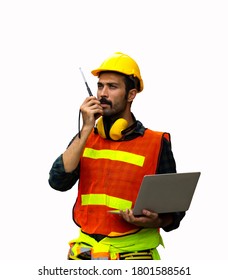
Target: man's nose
x=104 y=92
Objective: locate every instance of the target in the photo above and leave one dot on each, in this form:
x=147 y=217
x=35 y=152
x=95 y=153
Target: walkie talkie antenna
x=90 y=94
x=88 y=89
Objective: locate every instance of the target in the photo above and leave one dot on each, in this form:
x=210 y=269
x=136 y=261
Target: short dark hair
x=131 y=82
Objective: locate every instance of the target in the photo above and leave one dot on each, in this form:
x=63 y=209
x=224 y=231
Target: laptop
x=165 y=193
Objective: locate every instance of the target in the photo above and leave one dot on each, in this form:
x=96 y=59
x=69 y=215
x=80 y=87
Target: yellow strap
x=114 y=155
x=103 y=199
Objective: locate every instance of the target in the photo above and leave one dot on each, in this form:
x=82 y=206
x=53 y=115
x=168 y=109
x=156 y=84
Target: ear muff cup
x=100 y=127
x=115 y=130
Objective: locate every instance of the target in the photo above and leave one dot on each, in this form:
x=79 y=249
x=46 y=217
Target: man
x=110 y=157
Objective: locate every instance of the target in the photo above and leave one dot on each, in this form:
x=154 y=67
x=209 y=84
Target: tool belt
x=138 y=255
x=140 y=246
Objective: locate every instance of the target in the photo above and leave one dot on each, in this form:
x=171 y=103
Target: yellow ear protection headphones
x=115 y=131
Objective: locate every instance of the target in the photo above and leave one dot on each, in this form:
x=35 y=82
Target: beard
x=114 y=111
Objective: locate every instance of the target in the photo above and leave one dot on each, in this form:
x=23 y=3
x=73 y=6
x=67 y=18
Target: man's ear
x=131 y=94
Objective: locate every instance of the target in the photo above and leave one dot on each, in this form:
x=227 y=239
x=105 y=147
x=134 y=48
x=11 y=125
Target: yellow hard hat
x=121 y=63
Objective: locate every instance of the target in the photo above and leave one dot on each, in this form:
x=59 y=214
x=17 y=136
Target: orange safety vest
x=110 y=176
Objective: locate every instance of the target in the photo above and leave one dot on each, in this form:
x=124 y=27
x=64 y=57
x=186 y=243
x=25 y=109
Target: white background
x=181 y=48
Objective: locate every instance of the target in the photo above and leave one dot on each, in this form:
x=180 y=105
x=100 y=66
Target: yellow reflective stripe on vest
x=114 y=155
x=103 y=199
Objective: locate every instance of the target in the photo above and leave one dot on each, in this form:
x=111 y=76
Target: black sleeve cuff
x=177 y=217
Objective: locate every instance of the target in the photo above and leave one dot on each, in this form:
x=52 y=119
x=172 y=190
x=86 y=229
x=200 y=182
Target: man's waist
x=97 y=237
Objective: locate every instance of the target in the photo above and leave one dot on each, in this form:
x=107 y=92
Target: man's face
x=111 y=93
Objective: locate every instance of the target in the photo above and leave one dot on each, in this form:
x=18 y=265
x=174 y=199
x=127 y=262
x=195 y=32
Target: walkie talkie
x=88 y=89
